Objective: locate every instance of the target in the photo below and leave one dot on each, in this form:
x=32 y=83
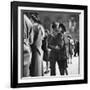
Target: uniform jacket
x=61 y=41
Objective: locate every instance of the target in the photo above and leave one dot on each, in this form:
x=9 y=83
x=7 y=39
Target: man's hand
x=57 y=47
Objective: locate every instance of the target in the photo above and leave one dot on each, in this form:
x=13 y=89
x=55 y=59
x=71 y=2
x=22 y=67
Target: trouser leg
x=46 y=65
x=66 y=71
x=62 y=71
x=75 y=53
x=78 y=52
x=52 y=66
x=62 y=63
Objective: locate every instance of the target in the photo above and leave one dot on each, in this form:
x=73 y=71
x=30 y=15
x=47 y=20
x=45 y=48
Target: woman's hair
x=63 y=27
x=34 y=16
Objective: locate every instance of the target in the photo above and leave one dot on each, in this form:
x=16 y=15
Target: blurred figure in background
x=76 y=48
x=28 y=40
x=46 y=51
x=70 y=48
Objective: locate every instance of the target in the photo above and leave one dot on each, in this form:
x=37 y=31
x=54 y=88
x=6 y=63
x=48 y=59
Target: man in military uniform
x=63 y=44
x=58 y=50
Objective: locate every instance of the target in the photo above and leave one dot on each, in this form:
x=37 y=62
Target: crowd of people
x=43 y=45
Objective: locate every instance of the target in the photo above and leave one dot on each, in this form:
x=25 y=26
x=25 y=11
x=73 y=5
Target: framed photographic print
x=48 y=44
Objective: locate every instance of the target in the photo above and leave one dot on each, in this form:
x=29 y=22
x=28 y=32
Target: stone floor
x=73 y=68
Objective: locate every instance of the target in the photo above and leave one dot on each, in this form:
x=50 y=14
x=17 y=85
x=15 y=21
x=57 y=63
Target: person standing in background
x=70 y=48
x=53 y=45
x=28 y=40
x=46 y=51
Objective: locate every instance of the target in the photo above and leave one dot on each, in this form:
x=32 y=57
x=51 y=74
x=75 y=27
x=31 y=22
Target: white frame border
x=55 y=78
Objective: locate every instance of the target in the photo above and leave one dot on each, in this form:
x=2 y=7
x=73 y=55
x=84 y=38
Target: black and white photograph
x=50 y=44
